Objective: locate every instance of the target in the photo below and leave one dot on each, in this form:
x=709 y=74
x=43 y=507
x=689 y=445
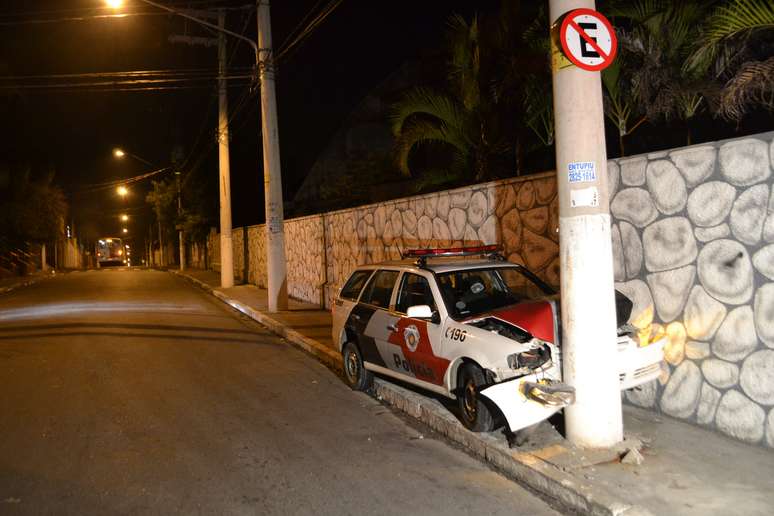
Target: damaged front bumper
x=530 y=399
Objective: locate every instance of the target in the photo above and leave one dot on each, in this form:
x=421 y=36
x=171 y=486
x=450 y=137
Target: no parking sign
x=588 y=39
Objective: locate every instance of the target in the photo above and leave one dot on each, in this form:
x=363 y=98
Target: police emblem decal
x=411 y=337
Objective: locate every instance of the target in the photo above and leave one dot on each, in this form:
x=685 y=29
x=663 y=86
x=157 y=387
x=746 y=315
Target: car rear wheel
x=474 y=413
x=357 y=376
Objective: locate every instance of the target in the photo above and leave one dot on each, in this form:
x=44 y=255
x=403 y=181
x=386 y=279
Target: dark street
x=131 y=392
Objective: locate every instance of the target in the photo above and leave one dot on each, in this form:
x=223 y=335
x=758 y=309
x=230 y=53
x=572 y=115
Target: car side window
x=354 y=285
x=414 y=290
x=379 y=289
x=520 y=285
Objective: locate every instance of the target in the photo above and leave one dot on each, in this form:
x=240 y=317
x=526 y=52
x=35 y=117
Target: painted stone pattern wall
x=693 y=243
x=322 y=250
x=519 y=213
x=693 y=246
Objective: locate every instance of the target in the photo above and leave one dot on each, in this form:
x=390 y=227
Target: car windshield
x=468 y=293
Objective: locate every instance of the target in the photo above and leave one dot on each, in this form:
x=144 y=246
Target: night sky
x=74 y=129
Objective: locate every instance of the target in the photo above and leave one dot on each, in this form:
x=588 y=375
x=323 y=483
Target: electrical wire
x=139 y=82
x=126 y=181
x=211 y=104
x=128 y=73
x=308 y=30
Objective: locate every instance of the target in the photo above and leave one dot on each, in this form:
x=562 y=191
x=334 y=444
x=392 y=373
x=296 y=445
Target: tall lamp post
x=275 y=232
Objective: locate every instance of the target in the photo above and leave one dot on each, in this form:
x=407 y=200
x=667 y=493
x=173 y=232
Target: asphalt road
x=131 y=392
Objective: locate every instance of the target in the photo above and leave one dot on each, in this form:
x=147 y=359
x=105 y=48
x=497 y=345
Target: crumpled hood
x=536 y=317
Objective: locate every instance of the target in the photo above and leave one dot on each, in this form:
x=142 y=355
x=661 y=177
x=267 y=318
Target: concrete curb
x=27 y=282
x=522 y=466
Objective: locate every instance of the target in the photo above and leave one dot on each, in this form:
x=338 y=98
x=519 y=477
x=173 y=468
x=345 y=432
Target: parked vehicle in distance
x=468 y=325
x=110 y=251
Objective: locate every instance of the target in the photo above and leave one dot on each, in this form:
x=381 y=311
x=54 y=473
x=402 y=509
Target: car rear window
x=379 y=289
x=354 y=285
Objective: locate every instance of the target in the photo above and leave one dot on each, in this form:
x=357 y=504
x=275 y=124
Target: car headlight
x=531 y=359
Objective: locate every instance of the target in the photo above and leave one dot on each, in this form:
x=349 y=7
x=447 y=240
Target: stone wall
x=520 y=213
x=693 y=234
x=693 y=244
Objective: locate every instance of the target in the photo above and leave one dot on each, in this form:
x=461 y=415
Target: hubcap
x=352 y=366
x=469 y=400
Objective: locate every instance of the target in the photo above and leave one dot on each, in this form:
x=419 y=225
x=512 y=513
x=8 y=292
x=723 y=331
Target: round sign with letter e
x=588 y=39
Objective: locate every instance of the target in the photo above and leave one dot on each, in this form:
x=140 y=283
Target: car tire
x=355 y=374
x=474 y=413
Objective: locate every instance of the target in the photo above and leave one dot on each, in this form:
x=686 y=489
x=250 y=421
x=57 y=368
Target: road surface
x=131 y=392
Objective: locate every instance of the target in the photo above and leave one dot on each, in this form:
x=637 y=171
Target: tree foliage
x=31 y=209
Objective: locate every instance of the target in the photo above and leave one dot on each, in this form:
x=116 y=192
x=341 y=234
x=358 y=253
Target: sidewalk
x=686 y=470
x=14 y=282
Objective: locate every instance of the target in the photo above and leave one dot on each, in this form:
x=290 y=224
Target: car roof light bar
x=493 y=251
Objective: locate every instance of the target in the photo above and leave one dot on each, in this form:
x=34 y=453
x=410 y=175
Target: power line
x=127 y=73
x=308 y=30
x=138 y=82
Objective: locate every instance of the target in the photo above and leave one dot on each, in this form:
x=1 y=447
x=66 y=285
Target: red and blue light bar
x=452 y=251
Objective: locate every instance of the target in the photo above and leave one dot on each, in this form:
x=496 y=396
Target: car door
x=371 y=317
x=416 y=343
x=345 y=301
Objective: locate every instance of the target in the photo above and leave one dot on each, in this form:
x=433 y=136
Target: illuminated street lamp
x=120 y=153
x=125 y=231
x=122 y=191
x=114 y=4
x=124 y=218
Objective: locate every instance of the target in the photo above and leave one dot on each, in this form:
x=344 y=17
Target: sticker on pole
x=588 y=39
x=581 y=172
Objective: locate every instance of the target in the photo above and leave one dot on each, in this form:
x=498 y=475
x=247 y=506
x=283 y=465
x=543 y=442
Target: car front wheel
x=474 y=413
x=355 y=373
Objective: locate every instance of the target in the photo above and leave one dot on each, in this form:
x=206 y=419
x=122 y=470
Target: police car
x=468 y=325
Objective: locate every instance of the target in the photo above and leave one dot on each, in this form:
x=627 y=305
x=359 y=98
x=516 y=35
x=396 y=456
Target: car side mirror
x=420 y=312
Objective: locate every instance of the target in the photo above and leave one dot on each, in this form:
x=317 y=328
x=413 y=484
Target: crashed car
x=468 y=325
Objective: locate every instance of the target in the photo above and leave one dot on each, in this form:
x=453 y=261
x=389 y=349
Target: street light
x=120 y=153
x=125 y=230
x=114 y=4
x=124 y=218
x=122 y=191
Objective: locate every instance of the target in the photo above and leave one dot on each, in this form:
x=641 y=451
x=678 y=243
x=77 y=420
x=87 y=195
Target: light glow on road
x=77 y=308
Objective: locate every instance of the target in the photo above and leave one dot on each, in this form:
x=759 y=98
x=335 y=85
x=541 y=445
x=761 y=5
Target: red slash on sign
x=588 y=39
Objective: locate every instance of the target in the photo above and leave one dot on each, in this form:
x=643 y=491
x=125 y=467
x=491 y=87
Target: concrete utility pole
x=180 y=234
x=162 y=261
x=226 y=248
x=588 y=305
x=272 y=175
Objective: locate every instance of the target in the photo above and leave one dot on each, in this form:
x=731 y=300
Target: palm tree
x=463 y=121
x=726 y=49
x=620 y=103
x=660 y=37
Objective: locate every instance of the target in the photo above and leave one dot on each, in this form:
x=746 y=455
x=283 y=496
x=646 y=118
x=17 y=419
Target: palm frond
x=729 y=22
x=423 y=102
x=419 y=132
x=465 y=58
x=752 y=84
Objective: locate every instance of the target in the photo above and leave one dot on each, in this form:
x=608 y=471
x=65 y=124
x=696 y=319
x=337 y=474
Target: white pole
x=588 y=305
x=272 y=175
x=226 y=251
x=43 y=264
x=180 y=234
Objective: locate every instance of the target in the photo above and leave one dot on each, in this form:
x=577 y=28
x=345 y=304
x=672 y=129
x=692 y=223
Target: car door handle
x=392 y=327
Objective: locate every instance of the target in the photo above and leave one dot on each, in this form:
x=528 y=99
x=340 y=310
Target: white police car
x=464 y=322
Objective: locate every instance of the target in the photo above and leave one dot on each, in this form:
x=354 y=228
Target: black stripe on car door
x=357 y=322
